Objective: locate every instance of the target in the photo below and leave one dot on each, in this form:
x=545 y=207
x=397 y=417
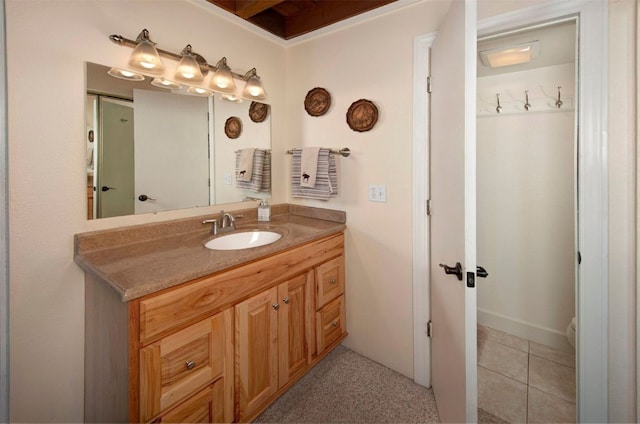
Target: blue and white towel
x=260 y=172
x=326 y=185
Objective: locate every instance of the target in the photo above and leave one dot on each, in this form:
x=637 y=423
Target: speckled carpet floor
x=346 y=387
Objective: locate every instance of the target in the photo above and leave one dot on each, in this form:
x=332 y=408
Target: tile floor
x=520 y=381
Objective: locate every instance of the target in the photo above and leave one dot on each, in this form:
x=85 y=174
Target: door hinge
x=428 y=207
x=429 y=85
x=429 y=329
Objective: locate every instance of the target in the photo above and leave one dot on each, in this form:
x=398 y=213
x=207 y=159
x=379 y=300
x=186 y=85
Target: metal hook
x=559 y=102
x=527 y=105
x=499 y=108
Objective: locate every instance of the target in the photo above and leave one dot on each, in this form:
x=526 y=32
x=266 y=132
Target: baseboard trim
x=526 y=330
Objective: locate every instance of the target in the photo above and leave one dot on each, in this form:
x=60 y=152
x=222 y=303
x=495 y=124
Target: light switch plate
x=227 y=178
x=377 y=193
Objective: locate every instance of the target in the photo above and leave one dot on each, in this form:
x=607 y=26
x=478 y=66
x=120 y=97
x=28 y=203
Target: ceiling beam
x=248 y=8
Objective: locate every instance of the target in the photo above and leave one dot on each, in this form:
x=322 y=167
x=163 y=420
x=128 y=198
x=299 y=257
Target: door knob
x=144 y=198
x=481 y=272
x=106 y=188
x=453 y=270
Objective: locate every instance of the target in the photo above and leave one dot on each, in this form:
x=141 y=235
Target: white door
x=114 y=186
x=453 y=218
x=171 y=151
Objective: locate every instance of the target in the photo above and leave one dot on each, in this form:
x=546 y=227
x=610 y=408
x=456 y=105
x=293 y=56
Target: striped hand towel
x=326 y=176
x=261 y=171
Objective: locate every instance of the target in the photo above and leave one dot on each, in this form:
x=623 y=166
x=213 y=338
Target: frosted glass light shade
x=253 y=89
x=188 y=68
x=145 y=58
x=198 y=91
x=222 y=79
x=165 y=83
x=125 y=75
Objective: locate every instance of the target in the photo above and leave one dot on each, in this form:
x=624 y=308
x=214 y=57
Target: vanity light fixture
x=125 y=75
x=188 y=68
x=192 y=69
x=165 y=83
x=222 y=80
x=253 y=89
x=145 y=56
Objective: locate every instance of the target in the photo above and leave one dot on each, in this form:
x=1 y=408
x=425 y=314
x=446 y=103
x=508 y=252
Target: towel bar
x=344 y=152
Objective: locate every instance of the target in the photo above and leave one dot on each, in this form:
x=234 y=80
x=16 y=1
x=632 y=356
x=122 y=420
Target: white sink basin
x=244 y=240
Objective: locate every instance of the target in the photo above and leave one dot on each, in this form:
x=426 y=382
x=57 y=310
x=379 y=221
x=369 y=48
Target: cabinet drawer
x=176 y=366
x=203 y=407
x=330 y=323
x=329 y=281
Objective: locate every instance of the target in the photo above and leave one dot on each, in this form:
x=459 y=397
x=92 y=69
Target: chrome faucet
x=228 y=222
x=214 y=227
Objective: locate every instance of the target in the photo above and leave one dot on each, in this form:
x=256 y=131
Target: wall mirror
x=152 y=149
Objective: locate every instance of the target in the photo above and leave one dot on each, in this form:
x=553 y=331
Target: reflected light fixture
x=188 y=68
x=165 y=83
x=198 y=91
x=253 y=89
x=513 y=55
x=145 y=56
x=231 y=98
x=125 y=75
x=222 y=79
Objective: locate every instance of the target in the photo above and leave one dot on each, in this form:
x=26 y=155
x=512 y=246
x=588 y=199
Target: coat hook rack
x=527 y=105
x=559 y=102
x=498 y=108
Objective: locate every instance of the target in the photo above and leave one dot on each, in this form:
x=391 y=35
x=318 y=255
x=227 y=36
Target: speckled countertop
x=143 y=259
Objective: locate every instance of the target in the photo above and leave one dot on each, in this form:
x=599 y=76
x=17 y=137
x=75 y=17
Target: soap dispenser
x=264 y=211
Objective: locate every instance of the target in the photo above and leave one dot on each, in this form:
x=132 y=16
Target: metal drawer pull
x=286 y=300
x=334 y=323
x=190 y=365
x=333 y=281
x=276 y=306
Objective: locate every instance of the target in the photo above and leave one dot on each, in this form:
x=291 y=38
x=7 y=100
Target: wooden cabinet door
x=256 y=351
x=179 y=365
x=203 y=407
x=296 y=344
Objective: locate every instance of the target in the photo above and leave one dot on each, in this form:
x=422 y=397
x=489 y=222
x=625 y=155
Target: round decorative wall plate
x=362 y=115
x=233 y=127
x=317 y=101
x=258 y=112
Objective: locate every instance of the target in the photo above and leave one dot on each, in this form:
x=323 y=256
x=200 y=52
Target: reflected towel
x=245 y=169
x=309 y=166
x=261 y=172
x=326 y=176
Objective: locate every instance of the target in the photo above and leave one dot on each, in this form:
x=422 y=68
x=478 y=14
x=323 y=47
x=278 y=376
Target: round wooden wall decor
x=317 y=101
x=233 y=127
x=362 y=115
x=258 y=112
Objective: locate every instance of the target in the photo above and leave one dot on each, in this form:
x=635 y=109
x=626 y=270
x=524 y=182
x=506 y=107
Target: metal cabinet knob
x=286 y=300
x=334 y=323
x=333 y=281
x=190 y=365
x=276 y=306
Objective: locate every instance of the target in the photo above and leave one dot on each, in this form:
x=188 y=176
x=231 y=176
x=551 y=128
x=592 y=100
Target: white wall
x=47 y=172
x=526 y=214
x=371 y=60
x=48 y=44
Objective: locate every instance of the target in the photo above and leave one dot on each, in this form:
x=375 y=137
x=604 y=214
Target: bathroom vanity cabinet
x=219 y=348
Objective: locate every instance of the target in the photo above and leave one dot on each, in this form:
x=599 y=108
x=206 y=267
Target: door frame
x=592 y=292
